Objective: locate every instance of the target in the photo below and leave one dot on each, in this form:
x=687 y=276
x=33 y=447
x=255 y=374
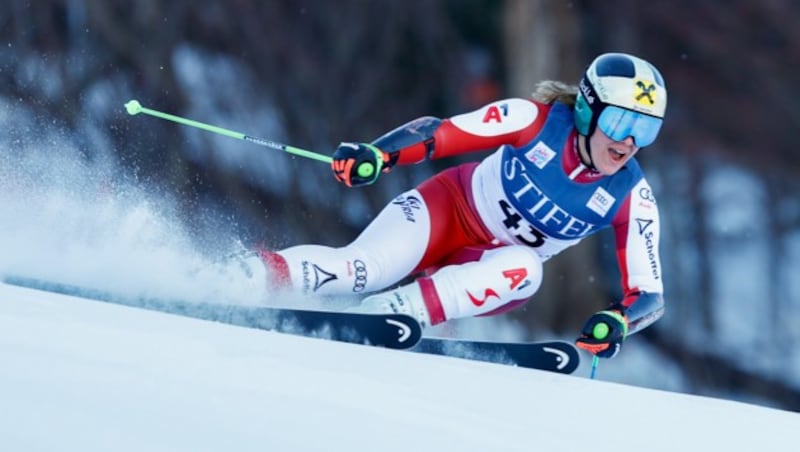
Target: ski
x=396 y=331
x=553 y=356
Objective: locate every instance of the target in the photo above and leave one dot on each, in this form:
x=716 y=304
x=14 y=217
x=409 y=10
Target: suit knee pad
x=501 y=277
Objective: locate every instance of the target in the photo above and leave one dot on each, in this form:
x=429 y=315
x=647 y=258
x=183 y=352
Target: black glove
x=603 y=333
x=358 y=164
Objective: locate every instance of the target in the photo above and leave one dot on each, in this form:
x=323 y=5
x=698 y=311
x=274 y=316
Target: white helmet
x=624 y=96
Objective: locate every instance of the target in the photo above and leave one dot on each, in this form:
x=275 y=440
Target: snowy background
x=90 y=376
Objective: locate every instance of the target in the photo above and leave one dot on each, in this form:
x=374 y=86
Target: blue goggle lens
x=619 y=123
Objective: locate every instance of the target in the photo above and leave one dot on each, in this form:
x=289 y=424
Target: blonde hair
x=549 y=91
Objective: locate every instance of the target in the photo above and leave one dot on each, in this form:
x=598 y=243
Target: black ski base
x=394 y=331
x=553 y=356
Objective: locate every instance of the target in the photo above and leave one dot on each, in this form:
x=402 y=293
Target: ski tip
x=133 y=107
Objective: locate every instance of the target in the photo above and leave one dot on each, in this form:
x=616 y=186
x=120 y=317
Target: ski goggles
x=619 y=123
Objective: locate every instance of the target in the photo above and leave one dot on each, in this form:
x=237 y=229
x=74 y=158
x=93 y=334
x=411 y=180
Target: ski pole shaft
x=595 y=362
x=133 y=107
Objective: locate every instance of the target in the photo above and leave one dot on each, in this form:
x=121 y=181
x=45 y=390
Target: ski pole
x=134 y=107
x=595 y=362
x=600 y=331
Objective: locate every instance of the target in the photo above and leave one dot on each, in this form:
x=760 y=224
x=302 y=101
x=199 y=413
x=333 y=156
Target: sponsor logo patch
x=649 y=244
x=320 y=277
x=645 y=93
x=587 y=93
x=409 y=205
x=360 y=275
x=540 y=155
x=486 y=295
x=643 y=223
x=600 y=202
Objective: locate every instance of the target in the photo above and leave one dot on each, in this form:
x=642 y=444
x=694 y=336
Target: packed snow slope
x=82 y=375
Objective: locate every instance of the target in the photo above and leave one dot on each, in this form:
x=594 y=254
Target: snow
x=85 y=375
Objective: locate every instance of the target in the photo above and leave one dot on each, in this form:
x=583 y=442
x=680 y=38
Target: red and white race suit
x=482 y=230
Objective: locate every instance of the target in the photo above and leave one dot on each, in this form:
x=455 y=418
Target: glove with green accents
x=358 y=164
x=603 y=333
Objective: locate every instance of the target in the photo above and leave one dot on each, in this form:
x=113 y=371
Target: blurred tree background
x=313 y=73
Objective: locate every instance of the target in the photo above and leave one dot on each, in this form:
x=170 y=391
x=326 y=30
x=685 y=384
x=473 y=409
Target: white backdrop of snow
x=90 y=376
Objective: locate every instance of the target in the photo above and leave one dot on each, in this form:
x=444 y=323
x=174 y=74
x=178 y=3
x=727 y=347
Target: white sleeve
x=638 y=234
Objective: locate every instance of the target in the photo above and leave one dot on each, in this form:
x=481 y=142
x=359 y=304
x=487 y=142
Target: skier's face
x=610 y=156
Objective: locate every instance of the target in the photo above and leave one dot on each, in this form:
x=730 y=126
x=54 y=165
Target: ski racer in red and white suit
x=481 y=231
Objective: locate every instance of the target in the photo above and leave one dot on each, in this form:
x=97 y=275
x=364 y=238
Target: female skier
x=563 y=169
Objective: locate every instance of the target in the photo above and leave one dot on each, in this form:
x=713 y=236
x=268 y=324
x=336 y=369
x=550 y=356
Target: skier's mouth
x=616 y=155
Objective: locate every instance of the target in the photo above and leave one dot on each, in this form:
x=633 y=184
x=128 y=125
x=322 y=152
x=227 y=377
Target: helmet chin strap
x=585 y=152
